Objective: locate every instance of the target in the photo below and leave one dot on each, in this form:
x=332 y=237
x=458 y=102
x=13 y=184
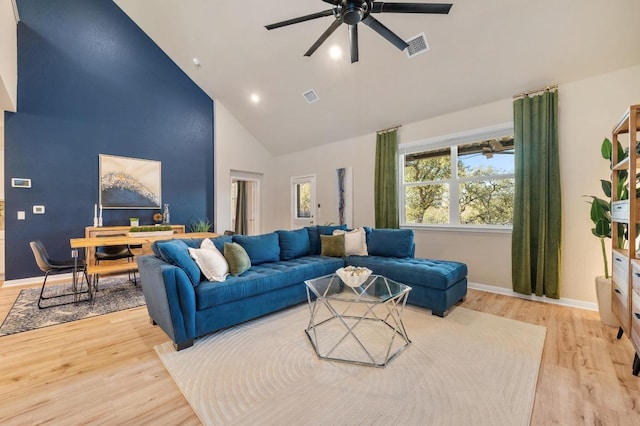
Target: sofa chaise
x=187 y=306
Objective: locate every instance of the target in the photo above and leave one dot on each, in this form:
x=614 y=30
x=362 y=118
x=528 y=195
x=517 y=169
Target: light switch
x=21 y=215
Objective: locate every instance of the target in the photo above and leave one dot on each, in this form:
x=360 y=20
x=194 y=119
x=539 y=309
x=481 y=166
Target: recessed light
x=335 y=52
x=196 y=62
x=255 y=98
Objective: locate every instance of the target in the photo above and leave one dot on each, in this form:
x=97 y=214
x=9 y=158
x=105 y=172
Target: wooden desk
x=93 y=242
x=99 y=231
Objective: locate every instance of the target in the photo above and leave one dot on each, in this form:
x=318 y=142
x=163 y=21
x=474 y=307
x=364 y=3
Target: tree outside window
x=469 y=184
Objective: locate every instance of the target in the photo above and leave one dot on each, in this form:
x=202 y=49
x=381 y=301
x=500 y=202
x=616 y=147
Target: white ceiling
x=483 y=51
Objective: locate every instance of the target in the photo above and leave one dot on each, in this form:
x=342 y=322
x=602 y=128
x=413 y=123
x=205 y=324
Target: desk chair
x=114 y=253
x=51 y=266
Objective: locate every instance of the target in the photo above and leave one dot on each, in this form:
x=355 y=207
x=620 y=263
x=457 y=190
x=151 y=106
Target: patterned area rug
x=114 y=294
x=469 y=368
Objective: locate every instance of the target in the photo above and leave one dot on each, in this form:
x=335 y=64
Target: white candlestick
x=95 y=210
x=100 y=211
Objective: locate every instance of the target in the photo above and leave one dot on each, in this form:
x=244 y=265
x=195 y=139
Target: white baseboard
x=573 y=303
x=590 y=306
x=37 y=280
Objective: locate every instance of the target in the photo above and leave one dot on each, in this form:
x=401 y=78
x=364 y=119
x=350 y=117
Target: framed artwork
x=129 y=183
x=345 y=196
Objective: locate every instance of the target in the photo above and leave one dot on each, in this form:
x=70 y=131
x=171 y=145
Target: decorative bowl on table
x=353 y=276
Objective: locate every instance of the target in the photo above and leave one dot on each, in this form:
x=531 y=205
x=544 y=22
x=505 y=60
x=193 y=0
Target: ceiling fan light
x=335 y=52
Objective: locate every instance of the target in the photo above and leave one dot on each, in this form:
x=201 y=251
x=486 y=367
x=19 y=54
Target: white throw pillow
x=210 y=261
x=355 y=242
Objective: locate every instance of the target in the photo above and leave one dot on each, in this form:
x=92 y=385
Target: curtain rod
x=530 y=92
x=388 y=129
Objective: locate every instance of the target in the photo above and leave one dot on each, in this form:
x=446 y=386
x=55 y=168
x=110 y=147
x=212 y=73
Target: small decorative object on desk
x=134 y=221
x=353 y=276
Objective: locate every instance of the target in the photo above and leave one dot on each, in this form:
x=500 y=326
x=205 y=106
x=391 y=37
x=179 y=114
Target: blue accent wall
x=91 y=82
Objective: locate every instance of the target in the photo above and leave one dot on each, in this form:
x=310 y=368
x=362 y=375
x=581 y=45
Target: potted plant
x=134 y=221
x=200 y=225
x=601 y=218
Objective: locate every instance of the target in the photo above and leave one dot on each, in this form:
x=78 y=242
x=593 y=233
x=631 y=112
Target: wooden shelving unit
x=625 y=298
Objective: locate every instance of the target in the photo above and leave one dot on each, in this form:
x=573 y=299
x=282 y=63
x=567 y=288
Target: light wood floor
x=104 y=369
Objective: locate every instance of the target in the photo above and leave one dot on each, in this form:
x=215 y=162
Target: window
x=466 y=180
x=303 y=200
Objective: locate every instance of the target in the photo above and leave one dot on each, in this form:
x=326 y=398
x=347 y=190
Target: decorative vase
x=165 y=215
x=603 y=292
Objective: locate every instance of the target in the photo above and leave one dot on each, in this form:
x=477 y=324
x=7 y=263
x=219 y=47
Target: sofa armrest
x=169 y=297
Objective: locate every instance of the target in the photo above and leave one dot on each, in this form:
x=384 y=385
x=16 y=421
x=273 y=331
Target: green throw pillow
x=237 y=258
x=332 y=245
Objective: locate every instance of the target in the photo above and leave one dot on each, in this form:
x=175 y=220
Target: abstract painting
x=345 y=195
x=129 y=183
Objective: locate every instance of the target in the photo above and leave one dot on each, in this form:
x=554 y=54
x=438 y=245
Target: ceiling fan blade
x=385 y=32
x=353 y=40
x=334 y=2
x=325 y=35
x=300 y=19
x=382 y=7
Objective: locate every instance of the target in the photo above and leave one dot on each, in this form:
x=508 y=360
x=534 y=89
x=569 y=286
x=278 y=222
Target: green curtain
x=386 y=180
x=241 y=208
x=535 y=245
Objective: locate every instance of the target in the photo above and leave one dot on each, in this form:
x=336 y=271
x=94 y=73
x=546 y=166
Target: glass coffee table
x=360 y=325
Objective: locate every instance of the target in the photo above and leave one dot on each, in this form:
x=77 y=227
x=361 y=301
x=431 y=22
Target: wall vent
x=311 y=96
x=417 y=45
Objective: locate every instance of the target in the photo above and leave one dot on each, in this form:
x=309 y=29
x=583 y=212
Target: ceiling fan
x=351 y=12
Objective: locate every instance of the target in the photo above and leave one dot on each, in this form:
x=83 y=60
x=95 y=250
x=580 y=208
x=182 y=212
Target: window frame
x=303 y=221
x=451 y=141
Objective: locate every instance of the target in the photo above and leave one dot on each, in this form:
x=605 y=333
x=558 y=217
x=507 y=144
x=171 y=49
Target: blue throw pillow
x=176 y=252
x=294 y=243
x=328 y=229
x=391 y=243
x=314 y=239
x=219 y=242
x=260 y=248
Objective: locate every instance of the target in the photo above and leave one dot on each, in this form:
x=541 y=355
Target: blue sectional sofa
x=188 y=306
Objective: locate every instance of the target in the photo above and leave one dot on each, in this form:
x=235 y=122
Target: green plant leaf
x=606 y=187
x=606 y=149
x=602 y=229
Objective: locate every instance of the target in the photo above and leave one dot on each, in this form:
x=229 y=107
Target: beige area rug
x=469 y=368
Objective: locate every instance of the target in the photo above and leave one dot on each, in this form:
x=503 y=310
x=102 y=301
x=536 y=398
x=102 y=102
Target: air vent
x=311 y=96
x=417 y=45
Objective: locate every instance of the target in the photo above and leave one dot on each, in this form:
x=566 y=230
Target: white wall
x=588 y=110
x=8 y=58
x=236 y=149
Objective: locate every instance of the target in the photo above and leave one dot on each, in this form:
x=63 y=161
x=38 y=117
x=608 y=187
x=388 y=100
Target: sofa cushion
x=355 y=242
x=237 y=258
x=314 y=239
x=391 y=242
x=332 y=245
x=219 y=241
x=315 y=232
x=293 y=243
x=176 y=252
x=264 y=278
x=211 y=262
x=260 y=248
x=328 y=229
x=439 y=274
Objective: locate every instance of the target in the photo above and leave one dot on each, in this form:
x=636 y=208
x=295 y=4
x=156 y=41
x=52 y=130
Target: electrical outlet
x=21 y=215
x=38 y=209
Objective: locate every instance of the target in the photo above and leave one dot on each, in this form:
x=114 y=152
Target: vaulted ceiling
x=482 y=51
